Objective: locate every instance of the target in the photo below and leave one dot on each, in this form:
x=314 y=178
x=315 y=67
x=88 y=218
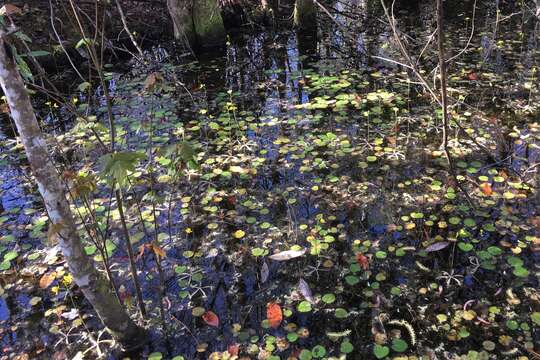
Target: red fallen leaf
x=472 y=76
x=211 y=318
x=47 y=279
x=233 y=349
x=274 y=314
x=124 y=296
x=486 y=188
x=362 y=260
x=231 y=200
x=493 y=120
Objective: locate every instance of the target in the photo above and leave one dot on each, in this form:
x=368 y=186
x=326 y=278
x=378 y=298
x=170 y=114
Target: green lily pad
x=381 y=351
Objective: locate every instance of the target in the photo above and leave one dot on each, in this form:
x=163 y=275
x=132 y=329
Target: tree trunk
x=305 y=14
x=208 y=23
x=198 y=22
x=184 y=29
x=269 y=11
x=92 y=283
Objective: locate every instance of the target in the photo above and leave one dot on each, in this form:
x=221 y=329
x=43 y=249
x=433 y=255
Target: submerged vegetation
x=290 y=198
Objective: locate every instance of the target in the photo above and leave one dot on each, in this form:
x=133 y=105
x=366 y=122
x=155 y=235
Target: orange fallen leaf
x=211 y=318
x=274 y=314
x=47 y=279
x=486 y=188
x=142 y=248
x=362 y=260
x=158 y=250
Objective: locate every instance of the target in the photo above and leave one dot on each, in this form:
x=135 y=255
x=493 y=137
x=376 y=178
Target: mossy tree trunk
x=305 y=14
x=208 y=23
x=181 y=14
x=198 y=21
x=92 y=283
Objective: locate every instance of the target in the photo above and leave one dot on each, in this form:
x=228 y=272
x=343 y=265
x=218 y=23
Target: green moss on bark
x=208 y=23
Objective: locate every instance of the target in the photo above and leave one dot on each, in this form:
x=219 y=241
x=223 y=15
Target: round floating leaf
x=155 y=356
x=198 y=311
x=514 y=261
x=399 y=345
x=305 y=355
x=488 y=345
x=304 y=306
x=381 y=351
x=535 y=317
x=258 y=252
x=10 y=255
x=239 y=234
x=328 y=298
x=346 y=347
x=520 y=272
x=466 y=247
x=318 y=351
x=292 y=337
x=340 y=313
x=512 y=324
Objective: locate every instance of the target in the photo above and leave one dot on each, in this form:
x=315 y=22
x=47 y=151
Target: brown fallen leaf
x=47 y=279
x=9 y=9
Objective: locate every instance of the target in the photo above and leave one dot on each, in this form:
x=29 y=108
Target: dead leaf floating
x=274 y=314
x=265 y=272
x=9 y=9
x=305 y=290
x=211 y=318
x=287 y=255
x=437 y=246
x=47 y=279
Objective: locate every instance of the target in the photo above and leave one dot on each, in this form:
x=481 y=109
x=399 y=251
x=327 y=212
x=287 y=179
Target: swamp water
x=312 y=147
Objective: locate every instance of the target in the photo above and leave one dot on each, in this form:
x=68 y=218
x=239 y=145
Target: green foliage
x=116 y=166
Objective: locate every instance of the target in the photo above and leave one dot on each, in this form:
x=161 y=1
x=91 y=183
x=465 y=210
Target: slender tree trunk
x=442 y=70
x=92 y=283
x=444 y=101
x=126 y=28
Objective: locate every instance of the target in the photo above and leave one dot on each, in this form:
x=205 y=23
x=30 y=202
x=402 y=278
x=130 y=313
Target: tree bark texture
x=198 y=22
x=184 y=29
x=92 y=283
x=305 y=14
